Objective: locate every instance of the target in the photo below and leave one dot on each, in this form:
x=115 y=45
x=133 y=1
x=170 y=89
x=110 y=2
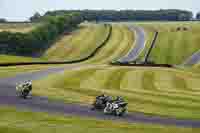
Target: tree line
x=130 y=15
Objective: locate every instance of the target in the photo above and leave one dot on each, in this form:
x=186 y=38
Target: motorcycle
x=24 y=89
x=100 y=102
x=116 y=108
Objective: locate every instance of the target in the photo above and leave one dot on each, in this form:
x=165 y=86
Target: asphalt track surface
x=194 y=59
x=139 y=45
x=42 y=104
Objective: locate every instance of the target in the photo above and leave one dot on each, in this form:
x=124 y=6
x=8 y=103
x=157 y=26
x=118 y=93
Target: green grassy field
x=79 y=44
x=13 y=121
x=13 y=70
x=166 y=92
x=172 y=46
x=18 y=27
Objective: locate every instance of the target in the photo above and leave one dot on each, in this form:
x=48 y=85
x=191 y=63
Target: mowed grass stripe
x=116 y=79
x=132 y=79
x=64 y=47
x=98 y=80
x=163 y=80
x=167 y=94
x=109 y=78
x=166 y=87
x=162 y=99
x=179 y=82
x=148 y=80
x=166 y=80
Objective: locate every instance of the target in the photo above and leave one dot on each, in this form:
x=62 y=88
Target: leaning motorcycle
x=100 y=102
x=116 y=108
x=23 y=89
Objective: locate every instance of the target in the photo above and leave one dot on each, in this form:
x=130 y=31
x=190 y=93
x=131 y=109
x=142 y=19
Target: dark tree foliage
x=198 y=16
x=38 y=39
x=129 y=15
x=35 y=17
x=3 y=20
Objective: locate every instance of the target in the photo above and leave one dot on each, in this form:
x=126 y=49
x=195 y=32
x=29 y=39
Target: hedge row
x=38 y=39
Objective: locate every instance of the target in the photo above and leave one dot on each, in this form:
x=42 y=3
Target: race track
x=139 y=45
x=194 y=59
x=42 y=104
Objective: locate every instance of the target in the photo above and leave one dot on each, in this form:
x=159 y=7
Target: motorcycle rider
x=29 y=85
x=104 y=98
x=24 y=88
x=116 y=106
x=118 y=99
x=101 y=101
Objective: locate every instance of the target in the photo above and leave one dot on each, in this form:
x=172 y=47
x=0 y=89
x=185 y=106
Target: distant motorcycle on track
x=101 y=101
x=24 y=89
x=117 y=107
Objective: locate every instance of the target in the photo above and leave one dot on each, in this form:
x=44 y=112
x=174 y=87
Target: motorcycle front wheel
x=120 y=111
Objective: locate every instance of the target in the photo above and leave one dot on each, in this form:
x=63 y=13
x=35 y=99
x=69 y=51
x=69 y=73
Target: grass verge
x=13 y=121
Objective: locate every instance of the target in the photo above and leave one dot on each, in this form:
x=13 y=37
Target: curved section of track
x=42 y=104
x=138 y=46
x=192 y=60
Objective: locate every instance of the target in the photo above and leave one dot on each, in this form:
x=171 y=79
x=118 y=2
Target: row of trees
x=40 y=38
x=130 y=15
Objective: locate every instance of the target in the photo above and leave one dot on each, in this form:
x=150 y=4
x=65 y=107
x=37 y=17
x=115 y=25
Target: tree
x=35 y=17
x=198 y=16
x=3 y=20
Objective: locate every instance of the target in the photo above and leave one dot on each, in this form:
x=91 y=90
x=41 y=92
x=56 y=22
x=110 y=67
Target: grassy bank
x=173 y=46
x=81 y=43
x=13 y=121
x=120 y=42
